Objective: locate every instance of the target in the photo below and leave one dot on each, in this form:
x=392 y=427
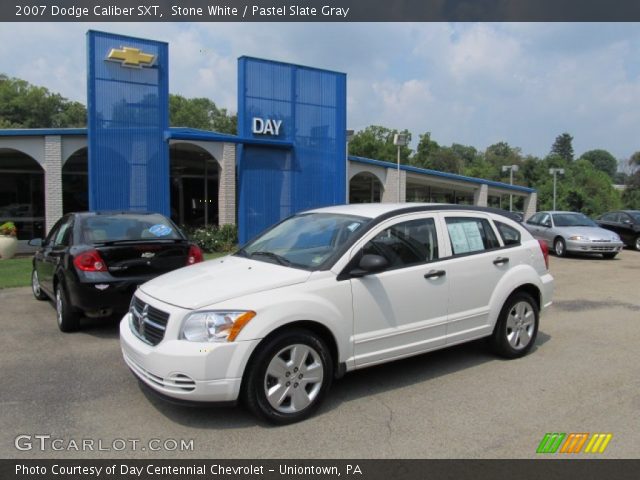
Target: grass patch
x=16 y=272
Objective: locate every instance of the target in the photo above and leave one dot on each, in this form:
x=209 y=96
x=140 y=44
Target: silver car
x=566 y=232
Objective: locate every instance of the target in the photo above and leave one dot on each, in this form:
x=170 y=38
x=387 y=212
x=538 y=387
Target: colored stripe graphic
x=550 y=442
x=598 y=443
x=574 y=442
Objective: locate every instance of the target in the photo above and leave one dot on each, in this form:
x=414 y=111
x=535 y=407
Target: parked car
x=567 y=232
x=626 y=223
x=333 y=290
x=91 y=263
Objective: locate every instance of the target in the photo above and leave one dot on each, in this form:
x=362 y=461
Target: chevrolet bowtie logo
x=131 y=57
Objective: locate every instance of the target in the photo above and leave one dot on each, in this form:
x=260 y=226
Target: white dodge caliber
x=333 y=290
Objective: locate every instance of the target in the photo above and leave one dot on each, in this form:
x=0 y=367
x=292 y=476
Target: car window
x=469 y=235
x=610 y=217
x=406 y=243
x=53 y=232
x=545 y=219
x=635 y=216
x=535 y=220
x=62 y=234
x=510 y=236
x=572 y=220
x=128 y=227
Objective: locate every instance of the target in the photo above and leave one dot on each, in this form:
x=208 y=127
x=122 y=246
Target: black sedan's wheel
x=560 y=247
x=288 y=377
x=35 y=286
x=68 y=320
x=517 y=326
x=636 y=243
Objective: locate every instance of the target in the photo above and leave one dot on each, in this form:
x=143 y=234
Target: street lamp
x=554 y=172
x=510 y=169
x=400 y=140
x=348 y=136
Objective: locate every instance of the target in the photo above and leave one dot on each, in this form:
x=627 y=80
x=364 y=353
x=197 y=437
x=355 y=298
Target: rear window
x=127 y=227
x=510 y=236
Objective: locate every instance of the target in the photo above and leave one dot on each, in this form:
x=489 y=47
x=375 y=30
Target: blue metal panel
x=128 y=112
x=311 y=104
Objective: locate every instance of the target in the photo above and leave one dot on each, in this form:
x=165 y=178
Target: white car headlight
x=578 y=237
x=215 y=326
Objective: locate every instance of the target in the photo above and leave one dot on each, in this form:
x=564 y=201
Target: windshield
x=572 y=220
x=127 y=227
x=635 y=216
x=304 y=241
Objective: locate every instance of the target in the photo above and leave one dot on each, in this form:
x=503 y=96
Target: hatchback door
x=402 y=310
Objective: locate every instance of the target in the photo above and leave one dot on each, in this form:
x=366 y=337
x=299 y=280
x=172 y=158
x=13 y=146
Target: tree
x=425 y=150
x=602 y=160
x=201 y=113
x=376 y=142
x=23 y=105
x=563 y=147
x=631 y=194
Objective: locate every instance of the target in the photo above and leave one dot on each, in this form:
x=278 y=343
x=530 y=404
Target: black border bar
x=319 y=10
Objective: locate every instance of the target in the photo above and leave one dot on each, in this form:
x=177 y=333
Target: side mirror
x=370 y=264
x=35 y=242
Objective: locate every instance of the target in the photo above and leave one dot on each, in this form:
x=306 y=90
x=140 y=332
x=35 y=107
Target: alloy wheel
x=35 y=284
x=59 y=305
x=520 y=325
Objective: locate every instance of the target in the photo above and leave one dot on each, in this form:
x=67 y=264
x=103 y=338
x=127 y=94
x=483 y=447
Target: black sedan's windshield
x=304 y=241
x=572 y=220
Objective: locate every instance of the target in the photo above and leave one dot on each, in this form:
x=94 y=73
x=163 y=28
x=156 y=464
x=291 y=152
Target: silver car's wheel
x=520 y=325
x=288 y=376
x=559 y=247
x=35 y=286
x=293 y=378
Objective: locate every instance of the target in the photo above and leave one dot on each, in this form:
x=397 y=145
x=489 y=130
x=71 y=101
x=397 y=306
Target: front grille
x=148 y=323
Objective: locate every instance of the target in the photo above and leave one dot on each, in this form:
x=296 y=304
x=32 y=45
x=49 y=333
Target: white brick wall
x=52 y=180
x=390 y=194
x=480 y=196
x=227 y=186
x=530 y=205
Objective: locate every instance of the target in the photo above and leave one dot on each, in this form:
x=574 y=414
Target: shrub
x=8 y=228
x=214 y=238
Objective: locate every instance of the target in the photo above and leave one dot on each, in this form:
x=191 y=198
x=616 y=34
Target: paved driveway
x=583 y=376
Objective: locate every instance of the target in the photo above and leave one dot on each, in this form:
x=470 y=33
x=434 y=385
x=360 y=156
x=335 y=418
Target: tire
x=560 y=247
x=636 y=243
x=518 y=318
x=68 y=319
x=35 y=286
x=609 y=256
x=279 y=366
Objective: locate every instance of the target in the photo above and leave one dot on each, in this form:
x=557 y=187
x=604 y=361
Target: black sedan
x=91 y=263
x=626 y=223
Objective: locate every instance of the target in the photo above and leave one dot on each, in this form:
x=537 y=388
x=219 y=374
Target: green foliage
x=200 y=113
x=214 y=238
x=23 y=105
x=377 y=143
x=602 y=160
x=8 y=228
x=563 y=147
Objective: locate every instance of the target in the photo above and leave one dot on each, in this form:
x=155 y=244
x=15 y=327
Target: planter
x=8 y=246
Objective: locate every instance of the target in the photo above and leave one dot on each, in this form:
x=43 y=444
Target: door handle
x=501 y=260
x=435 y=274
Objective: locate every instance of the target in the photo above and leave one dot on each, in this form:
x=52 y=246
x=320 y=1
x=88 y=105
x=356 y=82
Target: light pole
x=349 y=135
x=554 y=172
x=400 y=140
x=510 y=169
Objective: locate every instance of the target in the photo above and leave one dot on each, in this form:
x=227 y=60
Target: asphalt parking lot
x=583 y=376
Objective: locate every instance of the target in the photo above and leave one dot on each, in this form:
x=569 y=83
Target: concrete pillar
x=390 y=194
x=530 y=205
x=481 y=195
x=227 y=186
x=52 y=180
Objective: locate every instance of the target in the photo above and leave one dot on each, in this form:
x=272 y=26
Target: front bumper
x=187 y=371
x=584 y=246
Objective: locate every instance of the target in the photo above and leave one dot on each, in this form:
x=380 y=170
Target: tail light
x=90 y=261
x=545 y=252
x=195 y=255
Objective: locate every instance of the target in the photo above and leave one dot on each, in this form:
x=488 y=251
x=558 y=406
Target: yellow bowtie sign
x=131 y=57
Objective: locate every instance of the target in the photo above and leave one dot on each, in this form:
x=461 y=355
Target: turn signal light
x=195 y=255
x=90 y=261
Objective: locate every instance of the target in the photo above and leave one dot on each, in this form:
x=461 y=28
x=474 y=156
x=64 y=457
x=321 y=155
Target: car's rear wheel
x=560 y=247
x=288 y=377
x=35 y=286
x=609 y=256
x=517 y=327
x=68 y=319
x=636 y=243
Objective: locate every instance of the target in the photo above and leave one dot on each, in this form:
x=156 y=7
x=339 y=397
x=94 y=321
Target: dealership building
x=290 y=153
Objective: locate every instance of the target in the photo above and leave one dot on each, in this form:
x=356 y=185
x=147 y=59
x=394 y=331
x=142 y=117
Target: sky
x=471 y=83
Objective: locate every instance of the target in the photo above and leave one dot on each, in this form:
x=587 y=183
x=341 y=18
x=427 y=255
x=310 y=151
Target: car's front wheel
x=560 y=247
x=68 y=319
x=636 y=243
x=35 y=286
x=288 y=377
x=517 y=326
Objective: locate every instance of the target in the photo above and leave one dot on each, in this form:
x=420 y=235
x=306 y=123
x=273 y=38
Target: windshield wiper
x=278 y=258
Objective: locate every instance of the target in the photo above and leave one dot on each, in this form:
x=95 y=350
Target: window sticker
x=465 y=237
x=160 y=230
